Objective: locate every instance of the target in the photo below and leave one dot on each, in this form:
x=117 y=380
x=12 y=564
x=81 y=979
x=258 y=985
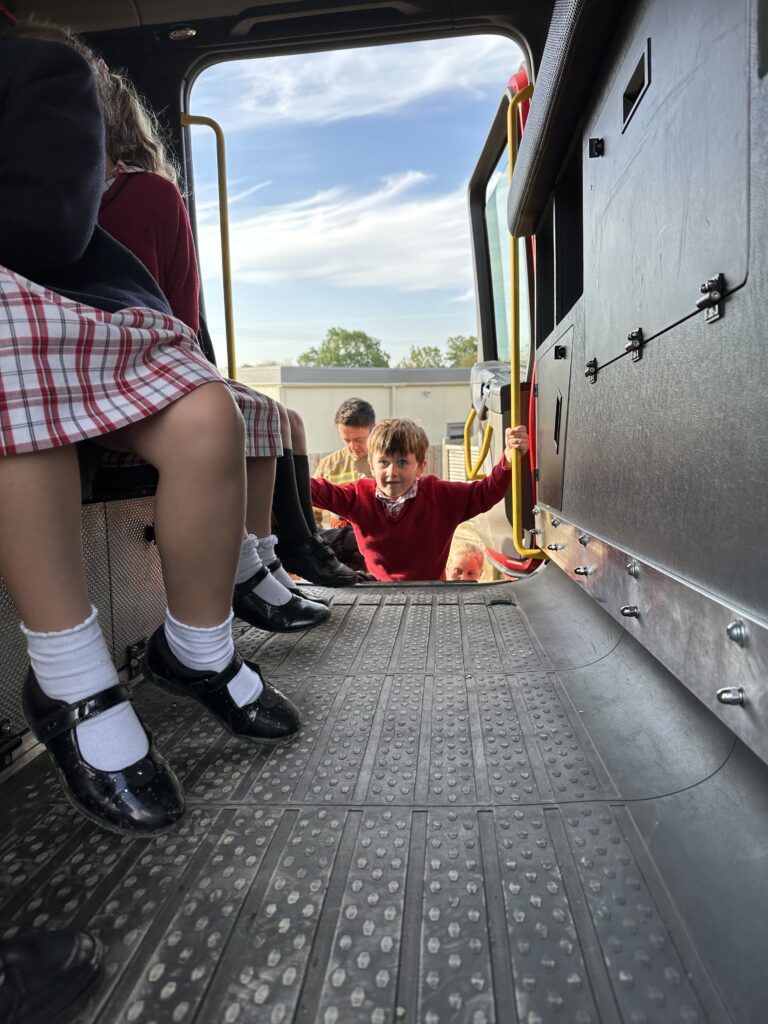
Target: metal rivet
x=555 y=523
x=731 y=695
x=630 y=611
x=536 y=510
x=555 y=547
x=737 y=631
x=584 y=539
x=584 y=570
x=633 y=569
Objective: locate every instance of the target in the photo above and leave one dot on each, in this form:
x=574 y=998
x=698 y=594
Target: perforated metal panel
x=138 y=596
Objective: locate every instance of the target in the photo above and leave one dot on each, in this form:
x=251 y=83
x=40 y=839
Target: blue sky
x=347 y=178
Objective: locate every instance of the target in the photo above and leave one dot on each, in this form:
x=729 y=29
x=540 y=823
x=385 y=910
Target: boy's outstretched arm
x=338 y=498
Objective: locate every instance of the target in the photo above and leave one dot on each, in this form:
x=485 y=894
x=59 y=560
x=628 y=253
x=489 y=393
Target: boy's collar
x=394 y=505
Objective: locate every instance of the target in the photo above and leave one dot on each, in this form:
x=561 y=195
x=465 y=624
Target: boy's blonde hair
x=398 y=436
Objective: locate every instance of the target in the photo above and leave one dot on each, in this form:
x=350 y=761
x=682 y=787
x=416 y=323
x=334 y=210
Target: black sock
x=301 y=466
x=291 y=525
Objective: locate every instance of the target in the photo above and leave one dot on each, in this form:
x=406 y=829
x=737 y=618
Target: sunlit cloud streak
x=319 y=88
x=396 y=236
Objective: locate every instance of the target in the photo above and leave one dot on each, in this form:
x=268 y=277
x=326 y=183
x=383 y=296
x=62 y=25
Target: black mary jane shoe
x=296 y=614
x=314 y=561
x=143 y=799
x=297 y=591
x=48 y=975
x=270 y=719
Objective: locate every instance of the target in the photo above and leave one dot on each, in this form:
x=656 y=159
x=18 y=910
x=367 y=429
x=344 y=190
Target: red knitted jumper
x=415 y=545
x=146 y=213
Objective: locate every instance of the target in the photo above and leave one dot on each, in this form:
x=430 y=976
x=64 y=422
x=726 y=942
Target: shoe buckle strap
x=212 y=684
x=65 y=718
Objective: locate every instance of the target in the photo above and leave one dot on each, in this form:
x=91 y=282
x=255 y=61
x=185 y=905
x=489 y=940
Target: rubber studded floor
x=440 y=845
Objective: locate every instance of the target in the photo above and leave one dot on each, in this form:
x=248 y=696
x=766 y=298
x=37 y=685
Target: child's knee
x=212 y=426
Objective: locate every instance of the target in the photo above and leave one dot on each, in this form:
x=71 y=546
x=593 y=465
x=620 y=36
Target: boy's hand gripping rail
x=226 y=267
x=514 y=339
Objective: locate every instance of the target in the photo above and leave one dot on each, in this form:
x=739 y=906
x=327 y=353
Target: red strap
x=7 y=14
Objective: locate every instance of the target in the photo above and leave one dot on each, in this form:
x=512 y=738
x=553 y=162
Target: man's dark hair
x=355 y=412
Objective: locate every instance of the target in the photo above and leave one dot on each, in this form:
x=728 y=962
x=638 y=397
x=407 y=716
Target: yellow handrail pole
x=514 y=341
x=226 y=266
x=473 y=472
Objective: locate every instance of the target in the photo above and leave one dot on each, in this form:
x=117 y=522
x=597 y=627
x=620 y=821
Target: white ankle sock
x=269 y=589
x=266 y=548
x=250 y=560
x=72 y=664
x=211 y=649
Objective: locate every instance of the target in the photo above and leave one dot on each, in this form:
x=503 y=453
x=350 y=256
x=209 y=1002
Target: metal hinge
x=712 y=297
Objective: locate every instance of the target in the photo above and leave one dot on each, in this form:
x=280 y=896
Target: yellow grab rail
x=226 y=266
x=514 y=341
x=473 y=472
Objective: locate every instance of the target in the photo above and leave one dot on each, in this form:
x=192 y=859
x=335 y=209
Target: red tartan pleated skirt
x=69 y=372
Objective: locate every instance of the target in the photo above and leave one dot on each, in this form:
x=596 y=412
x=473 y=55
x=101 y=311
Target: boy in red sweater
x=404 y=521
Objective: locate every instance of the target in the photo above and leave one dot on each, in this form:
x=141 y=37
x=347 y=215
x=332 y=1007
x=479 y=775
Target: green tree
x=345 y=348
x=461 y=350
x=423 y=356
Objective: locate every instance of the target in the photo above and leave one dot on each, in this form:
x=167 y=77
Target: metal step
x=447 y=841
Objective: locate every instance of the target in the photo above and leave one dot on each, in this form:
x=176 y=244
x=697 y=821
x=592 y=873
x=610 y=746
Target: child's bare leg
x=40 y=541
x=41 y=561
x=196 y=444
x=298 y=433
x=260 y=474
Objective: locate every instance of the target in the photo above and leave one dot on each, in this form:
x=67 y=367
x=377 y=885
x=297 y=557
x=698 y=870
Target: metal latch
x=590 y=370
x=635 y=344
x=712 y=297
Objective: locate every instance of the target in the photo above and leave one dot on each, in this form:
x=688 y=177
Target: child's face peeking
x=395 y=474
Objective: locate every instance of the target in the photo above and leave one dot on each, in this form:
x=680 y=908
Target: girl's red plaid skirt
x=70 y=372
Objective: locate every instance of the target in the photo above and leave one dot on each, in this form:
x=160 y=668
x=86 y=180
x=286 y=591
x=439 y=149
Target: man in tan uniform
x=354 y=421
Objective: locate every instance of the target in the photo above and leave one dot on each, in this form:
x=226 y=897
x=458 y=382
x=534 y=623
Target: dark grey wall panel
x=665 y=207
x=668 y=456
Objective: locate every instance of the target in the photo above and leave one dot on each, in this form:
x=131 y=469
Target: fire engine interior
x=537 y=800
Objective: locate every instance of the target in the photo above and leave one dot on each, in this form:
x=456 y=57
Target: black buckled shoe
x=47 y=976
x=270 y=719
x=314 y=561
x=298 y=613
x=141 y=800
x=296 y=591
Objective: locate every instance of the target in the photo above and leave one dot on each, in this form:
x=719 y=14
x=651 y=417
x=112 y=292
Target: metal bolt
x=536 y=531
x=555 y=522
x=633 y=569
x=732 y=695
x=536 y=510
x=5 y=725
x=630 y=611
x=737 y=631
x=555 y=547
x=584 y=539
x=584 y=570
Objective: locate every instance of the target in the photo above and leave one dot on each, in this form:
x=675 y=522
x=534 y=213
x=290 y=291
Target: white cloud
x=393 y=237
x=324 y=87
x=206 y=207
